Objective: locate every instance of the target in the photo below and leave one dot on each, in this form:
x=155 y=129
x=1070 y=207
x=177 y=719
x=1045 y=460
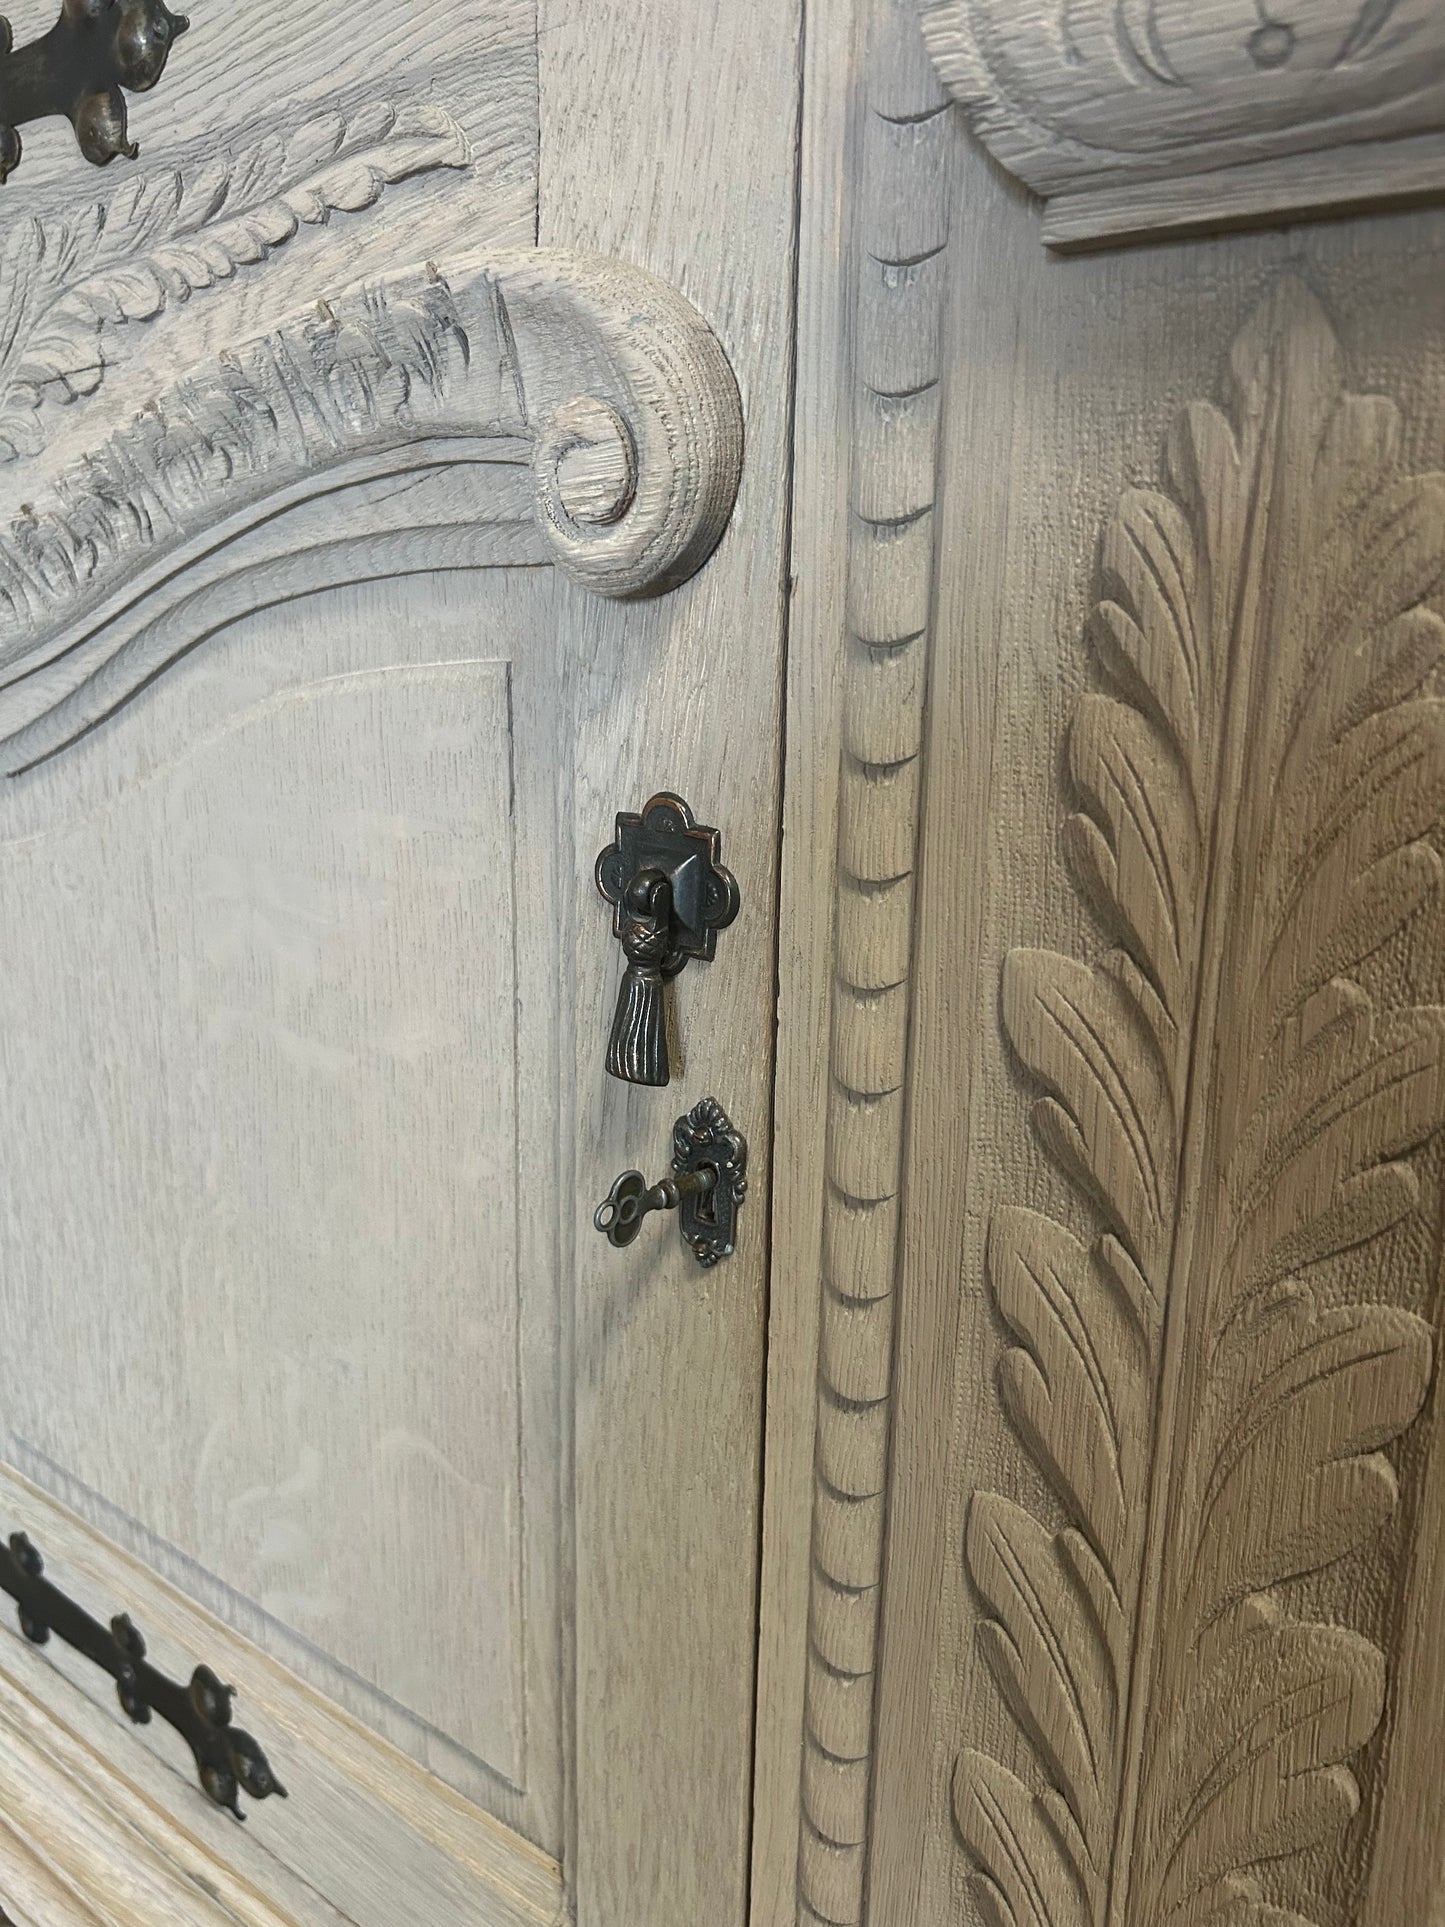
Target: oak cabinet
x=987 y=459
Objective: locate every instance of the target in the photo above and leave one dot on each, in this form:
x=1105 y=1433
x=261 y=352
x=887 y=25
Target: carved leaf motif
x=1256 y=801
x=160 y=241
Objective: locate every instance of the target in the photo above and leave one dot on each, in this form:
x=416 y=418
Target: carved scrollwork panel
x=1209 y=1383
x=599 y=377
x=1138 y=116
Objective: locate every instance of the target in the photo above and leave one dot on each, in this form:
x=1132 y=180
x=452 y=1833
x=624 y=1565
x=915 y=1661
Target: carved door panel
x=1117 y=1403
x=363 y=441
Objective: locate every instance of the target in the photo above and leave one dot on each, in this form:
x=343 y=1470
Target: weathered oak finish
x=1149 y=1436
x=1144 y=117
x=900 y=175
x=669 y=138
x=1207 y=1404
x=1067 y=1552
x=310 y=747
x=1158 y=1585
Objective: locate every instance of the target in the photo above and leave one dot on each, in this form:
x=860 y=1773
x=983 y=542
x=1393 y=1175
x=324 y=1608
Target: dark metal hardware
x=710 y=1181
x=226 y=1758
x=94 y=49
x=670 y=897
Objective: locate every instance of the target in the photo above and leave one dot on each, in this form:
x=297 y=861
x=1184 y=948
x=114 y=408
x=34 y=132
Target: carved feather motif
x=1256 y=799
x=159 y=241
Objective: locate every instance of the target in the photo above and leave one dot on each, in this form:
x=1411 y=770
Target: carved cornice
x=1140 y=116
x=601 y=377
x=1235 y=1092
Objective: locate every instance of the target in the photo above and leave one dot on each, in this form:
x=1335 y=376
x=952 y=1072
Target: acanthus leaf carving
x=1238 y=1112
x=161 y=240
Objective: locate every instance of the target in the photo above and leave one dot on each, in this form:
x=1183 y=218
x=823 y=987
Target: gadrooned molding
x=899 y=260
x=1133 y=117
x=599 y=376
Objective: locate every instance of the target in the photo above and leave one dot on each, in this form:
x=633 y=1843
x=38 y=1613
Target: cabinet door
x=1112 y=1409
x=366 y=444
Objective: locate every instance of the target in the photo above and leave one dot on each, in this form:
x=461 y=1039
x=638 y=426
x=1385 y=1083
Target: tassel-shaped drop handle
x=670 y=897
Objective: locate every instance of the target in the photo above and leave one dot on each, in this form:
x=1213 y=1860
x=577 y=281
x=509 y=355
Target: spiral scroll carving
x=599 y=377
x=657 y=405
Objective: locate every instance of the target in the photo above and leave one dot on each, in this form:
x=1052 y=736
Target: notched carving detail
x=1205 y=1394
x=64 y=283
x=898 y=265
x=1129 y=116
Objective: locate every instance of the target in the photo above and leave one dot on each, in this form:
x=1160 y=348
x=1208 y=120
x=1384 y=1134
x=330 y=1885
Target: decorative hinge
x=227 y=1760
x=94 y=49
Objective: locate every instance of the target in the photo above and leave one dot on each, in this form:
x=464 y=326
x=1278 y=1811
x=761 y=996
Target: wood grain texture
x=58 y=1840
x=900 y=177
x=821 y=457
x=253 y=79
x=114 y=1819
x=1142 y=117
x=233 y=423
x=503 y=349
x=294 y=998
x=65 y=283
x=255 y=1105
x=280 y=168
x=1062 y=375
x=1406 y=1879
x=669 y=137
x=1239 y=1111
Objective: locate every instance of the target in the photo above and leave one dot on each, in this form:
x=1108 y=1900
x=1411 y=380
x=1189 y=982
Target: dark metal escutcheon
x=94 y=49
x=228 y=1761
x=709 y=1183
x=670 y=897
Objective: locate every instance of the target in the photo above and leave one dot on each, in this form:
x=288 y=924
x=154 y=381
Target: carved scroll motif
x=1136 y=116
x=601 y=382
x=398 y=400
x=1205 y=1388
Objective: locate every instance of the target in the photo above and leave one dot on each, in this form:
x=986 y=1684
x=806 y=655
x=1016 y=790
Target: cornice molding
x=1137 y=117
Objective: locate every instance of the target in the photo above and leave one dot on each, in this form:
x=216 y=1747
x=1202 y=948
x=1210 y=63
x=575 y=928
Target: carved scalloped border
x=899 y=302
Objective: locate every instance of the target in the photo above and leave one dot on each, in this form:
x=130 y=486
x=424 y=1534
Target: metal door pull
x=670 y=897
x=709 y=1183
